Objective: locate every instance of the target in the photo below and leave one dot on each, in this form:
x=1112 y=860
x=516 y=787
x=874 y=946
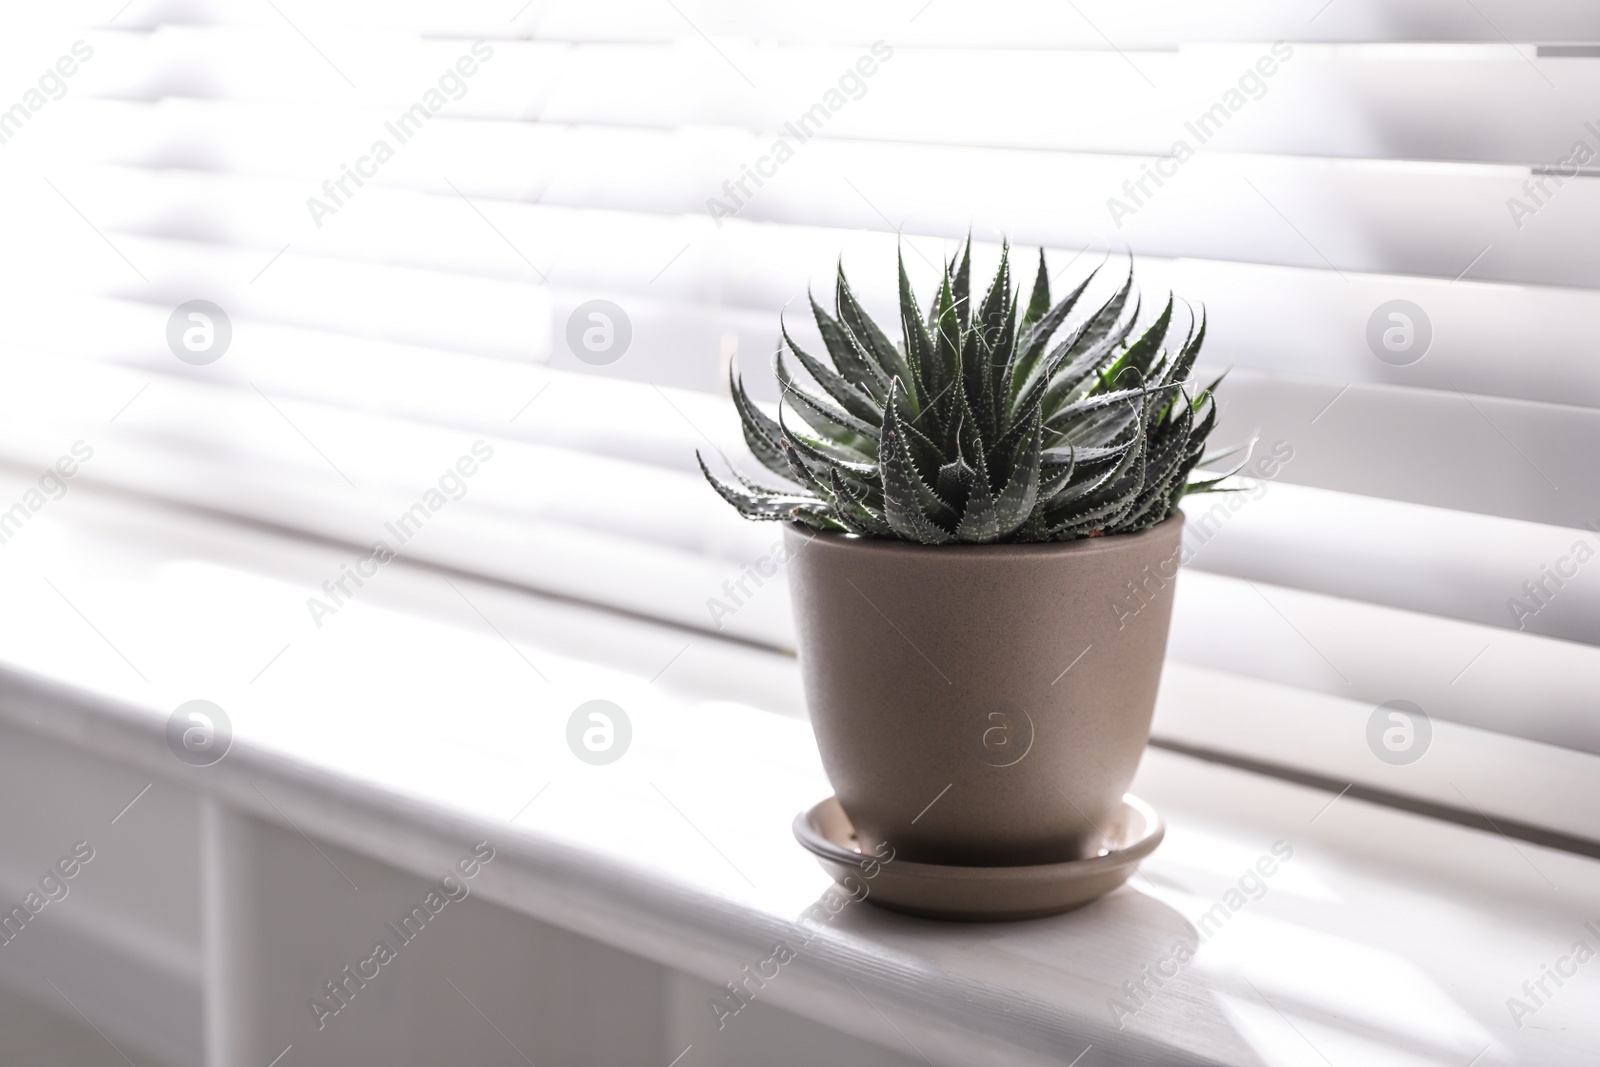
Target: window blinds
x=407 y=212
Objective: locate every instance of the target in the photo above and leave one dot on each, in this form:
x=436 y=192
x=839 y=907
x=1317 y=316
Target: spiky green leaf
x=983 y=425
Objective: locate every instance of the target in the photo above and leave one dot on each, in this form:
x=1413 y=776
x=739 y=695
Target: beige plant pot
x=982 y=705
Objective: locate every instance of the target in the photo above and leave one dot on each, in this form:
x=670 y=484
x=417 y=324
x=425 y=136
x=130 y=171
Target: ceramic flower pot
x=982 y=705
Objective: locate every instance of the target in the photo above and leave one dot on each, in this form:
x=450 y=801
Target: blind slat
x=1479 y=103
x=1513 y=458
x=1012 y=23
x=1402 y=217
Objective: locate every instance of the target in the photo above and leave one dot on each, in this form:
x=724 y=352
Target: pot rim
x=1081 y=545
x=1152 y=831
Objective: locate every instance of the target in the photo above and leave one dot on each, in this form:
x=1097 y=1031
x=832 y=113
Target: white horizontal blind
x=1296 y=167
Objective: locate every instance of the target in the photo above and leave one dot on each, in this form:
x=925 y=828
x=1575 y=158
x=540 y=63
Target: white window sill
x=420 y=716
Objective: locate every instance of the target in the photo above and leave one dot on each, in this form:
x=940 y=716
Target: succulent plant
x=980 y=426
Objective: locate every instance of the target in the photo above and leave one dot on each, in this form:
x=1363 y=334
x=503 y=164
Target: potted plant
x=984 y=535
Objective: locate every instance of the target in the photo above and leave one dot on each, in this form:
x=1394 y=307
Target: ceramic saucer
x=982 y=894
